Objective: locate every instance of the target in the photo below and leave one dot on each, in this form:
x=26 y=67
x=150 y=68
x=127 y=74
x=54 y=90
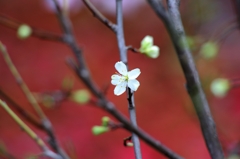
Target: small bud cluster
x=148 y=48
x=97 y=130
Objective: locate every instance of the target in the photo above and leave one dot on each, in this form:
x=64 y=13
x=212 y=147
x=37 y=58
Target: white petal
x=134 y=73
x=121 y=68
x=116 y=79
x=120 y=88
x=133 y=84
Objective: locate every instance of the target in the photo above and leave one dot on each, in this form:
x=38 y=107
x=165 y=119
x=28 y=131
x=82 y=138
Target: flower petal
x=120 y=88
x=133 y=84
x=116 y=79
x=121 y=68
x=134 y=73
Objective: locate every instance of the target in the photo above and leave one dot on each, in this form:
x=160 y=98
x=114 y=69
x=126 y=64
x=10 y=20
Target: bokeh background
x=164 y=109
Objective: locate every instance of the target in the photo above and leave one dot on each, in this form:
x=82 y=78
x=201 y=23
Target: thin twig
x=20 y=82
x=31 y=133
x=27 y=115
x=42 y=34
x=45 y=122
x=72 y=43
x=135 y=50
x=100 y=16
x=123 y=56
x=175 y=28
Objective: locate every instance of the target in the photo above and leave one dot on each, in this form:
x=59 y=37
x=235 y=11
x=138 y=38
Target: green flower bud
x=148 y=48
x=146 y=43
x=209 y=50
x=97 y=130
x=153 y=52
x=80 y=96
x=24 y=31
x=220 y=87
x=105 y=120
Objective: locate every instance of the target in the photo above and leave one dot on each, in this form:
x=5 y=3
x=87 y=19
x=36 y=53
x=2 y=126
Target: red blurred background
x=164 y=109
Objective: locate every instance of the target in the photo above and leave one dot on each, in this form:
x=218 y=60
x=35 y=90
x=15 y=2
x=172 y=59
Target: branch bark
x=123 y=56
x=31 y=99
x=42 y=34
x=27 y=115
x=31 y=133
x=173 y=23
x=99 y=15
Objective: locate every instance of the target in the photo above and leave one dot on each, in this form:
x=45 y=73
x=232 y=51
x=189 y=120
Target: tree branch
x=45 y=35
x=100 y=16
x=45 y=122
x=123 y=56
x=236 y=5
x=175 y=28
x=31 y=133
x=27 y=115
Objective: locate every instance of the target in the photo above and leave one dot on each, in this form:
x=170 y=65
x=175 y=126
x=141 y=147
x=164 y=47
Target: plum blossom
x=124 y=79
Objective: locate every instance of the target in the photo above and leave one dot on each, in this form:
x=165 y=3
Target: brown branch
x=130 y=94
x=20 y=82
x=27 y=115
x=173 y=23
x=100 y=16
x=134 y=50
x=30 y=133
x=45 y=121
x=42 y=34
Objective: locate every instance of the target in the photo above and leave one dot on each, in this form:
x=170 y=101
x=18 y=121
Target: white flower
x=125 y=79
